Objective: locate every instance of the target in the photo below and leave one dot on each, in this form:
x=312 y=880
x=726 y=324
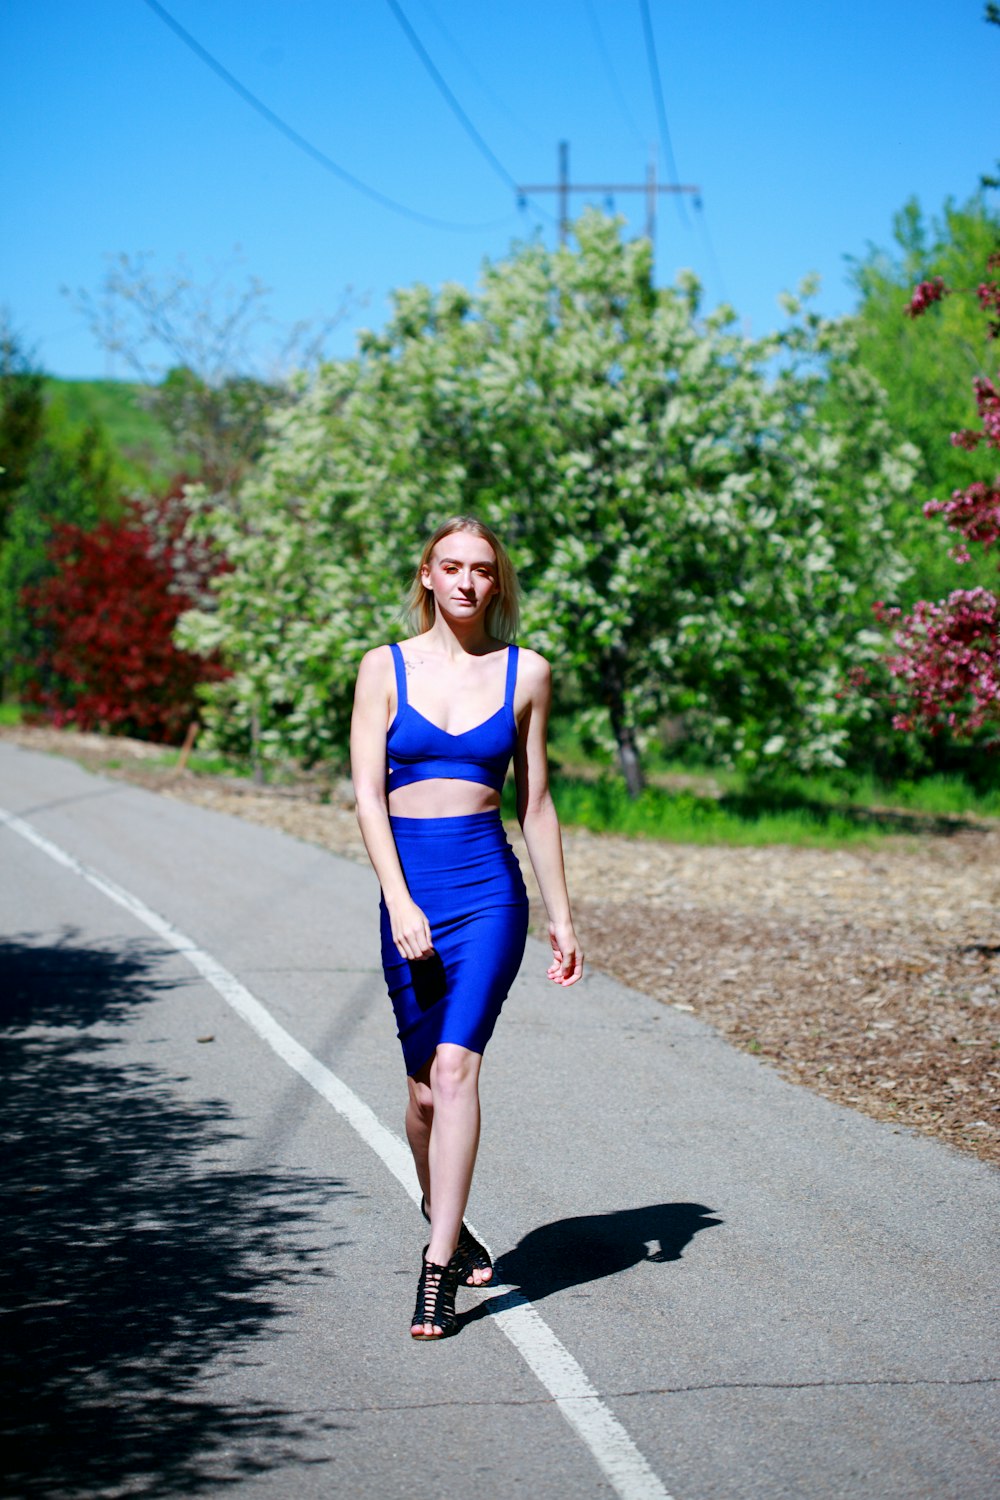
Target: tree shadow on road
x=136 y=1254
x=571 y=1252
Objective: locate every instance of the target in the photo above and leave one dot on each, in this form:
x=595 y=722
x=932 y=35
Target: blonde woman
x=436 y=721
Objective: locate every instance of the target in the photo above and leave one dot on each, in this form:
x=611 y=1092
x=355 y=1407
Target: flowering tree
x=948 y=653
x=107 y=617
x=695 y=533
x=925 y=367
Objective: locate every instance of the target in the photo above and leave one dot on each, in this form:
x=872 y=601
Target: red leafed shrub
x=948 y=653
x=109 y=614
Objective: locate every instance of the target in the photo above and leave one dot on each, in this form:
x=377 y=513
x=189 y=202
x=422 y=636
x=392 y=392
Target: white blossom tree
x=694 y=535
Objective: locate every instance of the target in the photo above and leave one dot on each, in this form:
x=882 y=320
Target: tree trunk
x=255 y=760
x=628 y=759
x=628 y=754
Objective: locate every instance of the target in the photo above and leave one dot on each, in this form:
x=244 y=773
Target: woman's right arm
x=372 y=697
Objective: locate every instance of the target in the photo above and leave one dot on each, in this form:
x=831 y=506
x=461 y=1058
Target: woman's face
x=462 y=576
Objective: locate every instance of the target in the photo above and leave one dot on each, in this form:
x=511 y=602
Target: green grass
x=811 y=812
x=207 y=763
x=144 y=450
x=937 y=796
x=744 y=818
x=10 y=713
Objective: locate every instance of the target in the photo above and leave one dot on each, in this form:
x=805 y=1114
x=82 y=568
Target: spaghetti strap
x=397 y=661
x=508 y=696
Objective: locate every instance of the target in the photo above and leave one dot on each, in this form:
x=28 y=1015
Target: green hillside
x=143 y=448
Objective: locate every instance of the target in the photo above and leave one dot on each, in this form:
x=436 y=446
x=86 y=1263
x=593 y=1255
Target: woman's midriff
x=442 y=797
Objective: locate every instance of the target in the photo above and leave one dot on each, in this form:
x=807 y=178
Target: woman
x=436 y=721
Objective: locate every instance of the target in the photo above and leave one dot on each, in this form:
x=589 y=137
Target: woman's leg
x=419 y=1119
x=444 y=1140
x=454 y=1141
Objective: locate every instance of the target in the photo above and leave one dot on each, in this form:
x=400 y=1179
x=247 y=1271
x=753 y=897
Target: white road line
x=548 y=1359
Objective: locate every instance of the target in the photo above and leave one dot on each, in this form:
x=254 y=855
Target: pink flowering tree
x=947 y=653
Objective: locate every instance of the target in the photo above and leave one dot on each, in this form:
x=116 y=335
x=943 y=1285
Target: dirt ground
x=871 y=975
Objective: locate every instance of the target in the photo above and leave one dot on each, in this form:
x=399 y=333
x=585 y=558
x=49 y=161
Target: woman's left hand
x=567 y=955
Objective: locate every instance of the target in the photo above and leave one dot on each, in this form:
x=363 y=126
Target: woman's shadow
x=570 y=1252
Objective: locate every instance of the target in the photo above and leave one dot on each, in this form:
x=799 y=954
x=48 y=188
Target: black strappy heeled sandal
x=436 y=1298
x=472 y=1256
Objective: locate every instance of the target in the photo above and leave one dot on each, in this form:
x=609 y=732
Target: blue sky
x=806 y=127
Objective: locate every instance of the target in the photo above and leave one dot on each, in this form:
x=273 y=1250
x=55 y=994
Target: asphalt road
x=713 y=1285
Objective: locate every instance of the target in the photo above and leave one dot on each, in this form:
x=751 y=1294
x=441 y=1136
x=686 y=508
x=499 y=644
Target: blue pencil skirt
x=465 y=877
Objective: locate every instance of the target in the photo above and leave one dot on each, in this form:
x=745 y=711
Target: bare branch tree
x=214 y=358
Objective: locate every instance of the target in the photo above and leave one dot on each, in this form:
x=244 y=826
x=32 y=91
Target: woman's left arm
x=536 y=814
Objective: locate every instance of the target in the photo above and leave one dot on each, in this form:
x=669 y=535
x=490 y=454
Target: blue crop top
x=417 y=750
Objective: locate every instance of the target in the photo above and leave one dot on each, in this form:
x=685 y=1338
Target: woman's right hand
x=567 y=955
x=411 y=930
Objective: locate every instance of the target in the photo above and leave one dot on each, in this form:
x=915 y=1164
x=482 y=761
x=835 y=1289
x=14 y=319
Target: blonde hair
x=503 y=614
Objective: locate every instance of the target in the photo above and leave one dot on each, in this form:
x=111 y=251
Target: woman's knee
x=454 y=1073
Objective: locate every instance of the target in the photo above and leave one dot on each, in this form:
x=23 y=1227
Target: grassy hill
x=143 y=448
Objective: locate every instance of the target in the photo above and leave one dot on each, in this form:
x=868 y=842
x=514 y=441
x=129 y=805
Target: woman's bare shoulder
x=531 y=661
x=532 y=669
x=375 y=667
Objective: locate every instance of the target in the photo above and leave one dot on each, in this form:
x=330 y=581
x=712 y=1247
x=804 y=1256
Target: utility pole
x=564 y=187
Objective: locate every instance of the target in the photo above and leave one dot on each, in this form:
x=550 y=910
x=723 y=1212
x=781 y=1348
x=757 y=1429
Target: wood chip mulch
x=870 y=974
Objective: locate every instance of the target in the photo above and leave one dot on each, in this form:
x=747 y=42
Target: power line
x=612 y=75
x=300 y=141
x=480 y=81
x=661 y=109
x=449 y=97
